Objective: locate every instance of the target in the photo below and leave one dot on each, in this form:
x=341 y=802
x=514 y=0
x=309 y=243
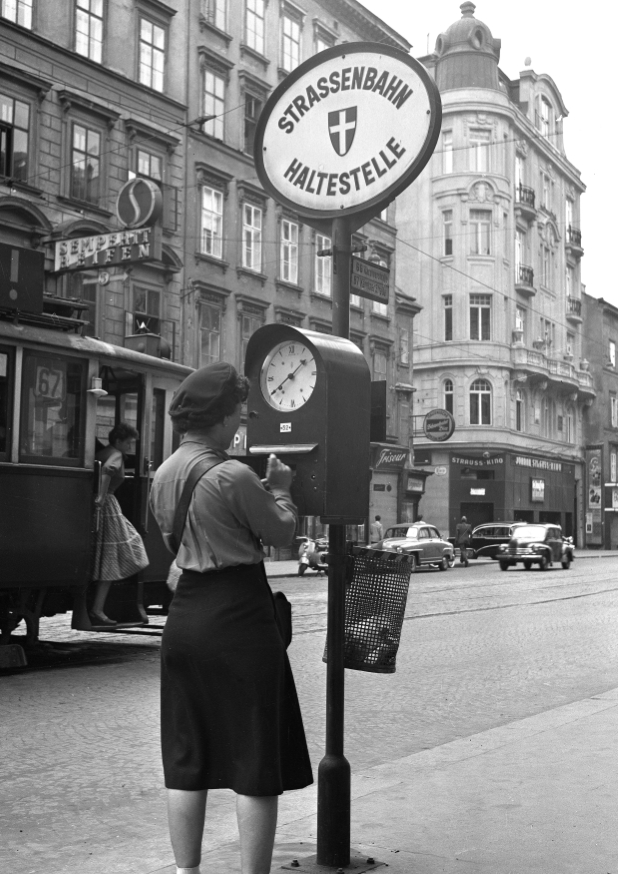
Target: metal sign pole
x=334 y=769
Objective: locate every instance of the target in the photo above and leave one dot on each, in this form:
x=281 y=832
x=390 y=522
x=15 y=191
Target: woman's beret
x=202 y=389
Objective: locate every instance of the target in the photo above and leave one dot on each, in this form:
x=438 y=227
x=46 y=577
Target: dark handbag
x=283 y=617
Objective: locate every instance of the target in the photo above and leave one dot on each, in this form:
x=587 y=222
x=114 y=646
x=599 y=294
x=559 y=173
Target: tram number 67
x=50 y=383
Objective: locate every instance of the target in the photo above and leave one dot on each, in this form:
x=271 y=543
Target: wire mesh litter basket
x=375 y=602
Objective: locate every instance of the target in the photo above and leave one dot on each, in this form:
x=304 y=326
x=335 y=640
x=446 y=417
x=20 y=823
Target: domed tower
x=467 y=54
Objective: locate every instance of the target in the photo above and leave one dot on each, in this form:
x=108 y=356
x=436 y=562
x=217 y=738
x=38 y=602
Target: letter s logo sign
x=140 y=202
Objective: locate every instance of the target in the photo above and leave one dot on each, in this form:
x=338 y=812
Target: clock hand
x=291 y=375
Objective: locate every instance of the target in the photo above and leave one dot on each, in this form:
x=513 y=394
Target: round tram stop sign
x=347 y=130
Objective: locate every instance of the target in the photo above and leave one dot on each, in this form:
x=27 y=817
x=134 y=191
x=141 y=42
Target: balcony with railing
x=524 y=279
x=574 y=309
x=574 y=240
x=539 y=366
x=525 y=201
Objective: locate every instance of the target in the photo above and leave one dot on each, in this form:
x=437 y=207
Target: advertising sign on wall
x=594 y=526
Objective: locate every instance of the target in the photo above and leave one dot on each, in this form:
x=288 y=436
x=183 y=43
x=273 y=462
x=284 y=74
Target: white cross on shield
x=341 y=129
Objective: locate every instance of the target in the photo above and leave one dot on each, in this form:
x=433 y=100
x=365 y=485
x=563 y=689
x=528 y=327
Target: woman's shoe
x=101 y=619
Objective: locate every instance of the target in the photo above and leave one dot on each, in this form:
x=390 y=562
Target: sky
x=575 y=44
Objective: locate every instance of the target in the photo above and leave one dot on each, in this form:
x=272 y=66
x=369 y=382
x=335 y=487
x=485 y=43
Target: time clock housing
x=322 y=432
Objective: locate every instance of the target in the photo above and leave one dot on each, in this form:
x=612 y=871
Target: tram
x=60 y=395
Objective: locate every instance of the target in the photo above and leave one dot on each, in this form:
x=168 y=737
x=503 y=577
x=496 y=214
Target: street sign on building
x=369 y=280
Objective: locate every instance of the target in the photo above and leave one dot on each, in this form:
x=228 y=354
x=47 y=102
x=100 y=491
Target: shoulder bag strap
x=180 y=516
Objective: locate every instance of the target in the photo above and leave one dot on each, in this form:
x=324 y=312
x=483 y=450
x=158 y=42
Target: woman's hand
x=278 y=474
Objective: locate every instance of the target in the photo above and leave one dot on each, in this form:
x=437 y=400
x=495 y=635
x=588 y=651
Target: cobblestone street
x=80 y=768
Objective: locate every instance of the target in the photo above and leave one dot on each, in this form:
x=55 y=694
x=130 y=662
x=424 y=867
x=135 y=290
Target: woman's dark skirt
x=230 y=716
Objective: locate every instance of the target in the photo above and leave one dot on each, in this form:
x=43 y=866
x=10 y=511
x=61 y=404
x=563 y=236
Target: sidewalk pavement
x=289 y=568
x=537 y=796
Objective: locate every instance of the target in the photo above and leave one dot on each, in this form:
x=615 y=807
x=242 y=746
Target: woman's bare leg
x=100 y=596
x=186 y=812
x=257 y=821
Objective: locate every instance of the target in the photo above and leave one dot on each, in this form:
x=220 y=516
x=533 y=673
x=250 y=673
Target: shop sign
x=477 y=462
x=348 y=129
x=393 y=457
x=537 y=490
x=415 y=485
x=438 y=425
x=538 y=463
x=440 y=470
x=139 y=203
x=108 y=250
x=477 y=492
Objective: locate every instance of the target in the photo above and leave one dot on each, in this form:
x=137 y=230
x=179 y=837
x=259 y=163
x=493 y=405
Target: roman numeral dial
x=288 y=375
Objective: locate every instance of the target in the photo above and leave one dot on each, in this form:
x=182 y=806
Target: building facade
x=92 y=95
x=489 y=242
x=600 y=436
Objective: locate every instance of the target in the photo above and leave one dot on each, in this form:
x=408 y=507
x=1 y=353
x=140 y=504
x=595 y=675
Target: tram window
x=4 y=404
x=51 y=418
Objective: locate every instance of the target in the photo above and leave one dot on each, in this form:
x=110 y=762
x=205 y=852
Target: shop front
x=511 y=487
x=387 y=495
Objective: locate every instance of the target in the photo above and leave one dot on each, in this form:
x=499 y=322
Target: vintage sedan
x=487 y=539
x=536 y=544
x=422 y=542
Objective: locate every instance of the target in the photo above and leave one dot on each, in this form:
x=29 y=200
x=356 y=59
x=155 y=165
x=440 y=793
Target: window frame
x=218 y=220
x=480 y=227
x=154 y=23
x=213 y=103
x=480 y=143
x=612 y=353
x=447 y=228
x=520 y=410
x=289 y=250
x=481 y=390
x=91 y=17
x=447 y=306
x=322 y=267
x=480 y=317
x=447 y=152
x=212 y=306
x=10 y=137
x=253 y=38
x=448 y=395
x=151 y=320
x=252 y=237
x=295 y=19
x=19 y=5
x=89 y=128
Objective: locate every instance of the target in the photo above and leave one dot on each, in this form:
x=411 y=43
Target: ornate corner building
x=489 y=242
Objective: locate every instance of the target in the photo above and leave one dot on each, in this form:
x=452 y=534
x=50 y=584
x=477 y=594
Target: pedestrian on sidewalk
x=230 y=716
x=463 y=534
x=376 y=531
x=119 y=550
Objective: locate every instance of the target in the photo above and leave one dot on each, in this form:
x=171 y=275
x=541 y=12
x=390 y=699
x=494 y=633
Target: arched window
x=448 y=395
x=520 y=411
x=480 y=402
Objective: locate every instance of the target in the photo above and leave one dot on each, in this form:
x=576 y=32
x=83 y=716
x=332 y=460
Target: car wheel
x=543 y=563
x=451 y=561
x=444 y=564
x=413 y=563
x=504 y=565
x=528 y=565
x=566 y=564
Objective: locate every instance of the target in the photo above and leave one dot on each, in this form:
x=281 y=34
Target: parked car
x=421 y=541
x=537 y=544
x=487 y=538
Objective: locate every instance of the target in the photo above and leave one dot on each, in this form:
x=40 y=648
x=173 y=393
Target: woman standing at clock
x=229 y=712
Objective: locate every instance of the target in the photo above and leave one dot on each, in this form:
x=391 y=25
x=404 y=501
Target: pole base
x=309 y=865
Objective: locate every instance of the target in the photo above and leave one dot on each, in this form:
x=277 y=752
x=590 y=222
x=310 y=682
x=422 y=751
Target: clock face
x=288 y=375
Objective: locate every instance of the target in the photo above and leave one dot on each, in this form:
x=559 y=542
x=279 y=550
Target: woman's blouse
x=113 y=466
x=231 y=513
